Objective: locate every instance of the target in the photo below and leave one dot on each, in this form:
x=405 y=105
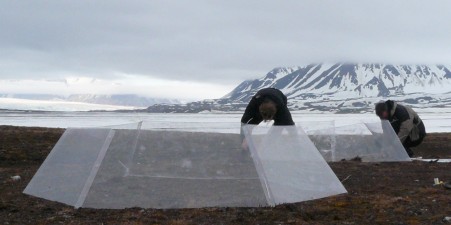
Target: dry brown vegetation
x=379 y=193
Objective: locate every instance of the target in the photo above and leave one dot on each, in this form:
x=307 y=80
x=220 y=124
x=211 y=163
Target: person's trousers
x=409 y=143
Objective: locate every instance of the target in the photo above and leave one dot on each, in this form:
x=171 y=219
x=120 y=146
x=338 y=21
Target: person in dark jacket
x=406 y=123
x=267 y=104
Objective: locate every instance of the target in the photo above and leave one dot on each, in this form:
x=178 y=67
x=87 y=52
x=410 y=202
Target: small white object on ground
x=447 y=219
x=346 y=178
x=433 y=160
x=436 y=181
x=15 y=178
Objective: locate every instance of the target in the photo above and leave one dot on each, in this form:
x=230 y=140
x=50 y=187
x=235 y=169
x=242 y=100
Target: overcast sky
x=202 y=49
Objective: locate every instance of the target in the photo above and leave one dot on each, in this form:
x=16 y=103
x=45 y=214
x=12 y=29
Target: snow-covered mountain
x=349 y=81
x=338 y=88
x=352 y=86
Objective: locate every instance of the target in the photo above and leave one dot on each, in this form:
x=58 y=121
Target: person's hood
x=393 y=107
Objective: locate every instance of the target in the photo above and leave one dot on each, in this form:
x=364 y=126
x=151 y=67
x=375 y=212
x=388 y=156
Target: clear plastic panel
x=353 y=129
x=175 y=169
x=205 y=126
x=388 y=142
x=127 y=126
x=290 y=167
x=63 y=175
x=371 y=142
x=322 y=134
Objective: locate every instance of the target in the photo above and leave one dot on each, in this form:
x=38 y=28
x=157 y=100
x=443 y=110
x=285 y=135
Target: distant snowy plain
x=436 y=120
x=57 y=105
x=71 y=114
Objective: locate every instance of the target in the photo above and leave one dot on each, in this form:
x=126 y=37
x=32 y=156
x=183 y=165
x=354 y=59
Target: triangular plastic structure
x=131 y=166
x=371 y=142
x=289 y=165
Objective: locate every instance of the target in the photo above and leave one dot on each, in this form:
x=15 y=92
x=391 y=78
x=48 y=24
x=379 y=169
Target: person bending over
x=267 y=104
x=406 y=123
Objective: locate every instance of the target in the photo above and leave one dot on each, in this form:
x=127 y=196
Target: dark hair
x=380 y=108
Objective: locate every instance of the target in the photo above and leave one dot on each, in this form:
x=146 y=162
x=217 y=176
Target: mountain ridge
x=358 y=80
x=339 y=87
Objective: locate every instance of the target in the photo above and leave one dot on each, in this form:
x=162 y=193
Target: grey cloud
x=214 y=41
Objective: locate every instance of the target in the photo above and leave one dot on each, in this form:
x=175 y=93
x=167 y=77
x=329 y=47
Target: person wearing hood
x=266 y=105
x=405 y=122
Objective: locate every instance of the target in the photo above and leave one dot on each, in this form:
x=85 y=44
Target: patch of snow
x=42 y=105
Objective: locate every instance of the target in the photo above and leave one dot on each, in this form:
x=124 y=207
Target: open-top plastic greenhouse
x=370 y=142
x=124 y=167
x=137 y=165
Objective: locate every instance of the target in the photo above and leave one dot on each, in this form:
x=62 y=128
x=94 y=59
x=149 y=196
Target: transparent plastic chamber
x=203 y=165
x=370 y=142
